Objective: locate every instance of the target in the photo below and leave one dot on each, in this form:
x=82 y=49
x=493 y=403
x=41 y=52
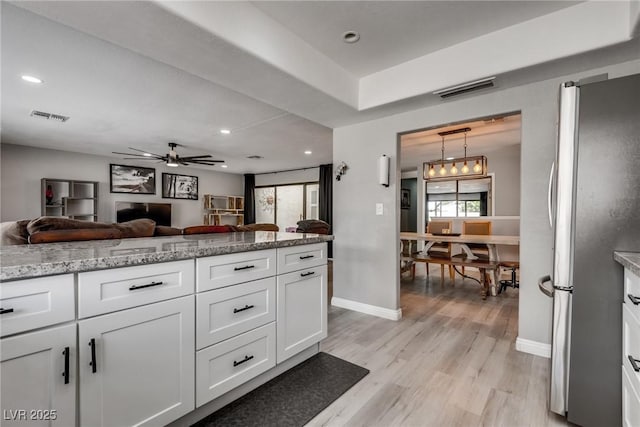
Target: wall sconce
x=341 y=169
x=383 y=170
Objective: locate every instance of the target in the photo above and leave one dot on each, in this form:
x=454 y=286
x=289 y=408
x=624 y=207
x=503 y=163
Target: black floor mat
x=293 y=398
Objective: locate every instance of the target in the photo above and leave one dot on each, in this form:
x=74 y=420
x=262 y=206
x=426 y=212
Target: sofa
x=56 y=229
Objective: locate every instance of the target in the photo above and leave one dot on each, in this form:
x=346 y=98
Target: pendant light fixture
x=478 y=170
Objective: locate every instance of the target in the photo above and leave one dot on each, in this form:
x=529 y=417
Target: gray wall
x=366 y=269
x=22 y=168
x=505 y=164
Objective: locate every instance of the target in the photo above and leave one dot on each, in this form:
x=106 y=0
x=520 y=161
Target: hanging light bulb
x=477 y=168
x=443 y=170
x=454 y=169
x=432 y=171
x=465 y=168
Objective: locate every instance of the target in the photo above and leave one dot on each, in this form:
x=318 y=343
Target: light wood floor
x=450 y=361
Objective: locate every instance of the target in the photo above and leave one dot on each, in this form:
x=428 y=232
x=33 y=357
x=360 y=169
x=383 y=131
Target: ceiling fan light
x=172 y=162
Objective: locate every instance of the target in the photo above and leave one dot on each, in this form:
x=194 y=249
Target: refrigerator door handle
x=550 y=195
x=547 y=290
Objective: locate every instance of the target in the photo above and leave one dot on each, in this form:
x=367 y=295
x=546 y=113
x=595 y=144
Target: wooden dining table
x=491 y=240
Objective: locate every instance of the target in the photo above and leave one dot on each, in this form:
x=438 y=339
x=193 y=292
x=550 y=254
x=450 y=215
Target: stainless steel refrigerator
x=594 y=209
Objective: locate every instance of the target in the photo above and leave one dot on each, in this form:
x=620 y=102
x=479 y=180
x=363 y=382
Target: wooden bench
x=460 y=260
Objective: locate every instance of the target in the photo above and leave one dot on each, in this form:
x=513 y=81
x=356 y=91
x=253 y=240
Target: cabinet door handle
x=634 y=299
x=93 y=364
x=307 y=274
x=65 y=374
x=6 y=310
x=246 y=307
x=307 y=256
x=246 y=359
x=246 y=267
x=634 y=363
x=134 y=287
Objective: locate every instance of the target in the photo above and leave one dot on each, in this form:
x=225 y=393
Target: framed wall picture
x=405 y=198
x=132 y=179
x=179 y=186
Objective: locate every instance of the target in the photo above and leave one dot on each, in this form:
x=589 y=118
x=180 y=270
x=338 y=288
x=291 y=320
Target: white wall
x=366 y=268
x=22 y=168
x=290 y=177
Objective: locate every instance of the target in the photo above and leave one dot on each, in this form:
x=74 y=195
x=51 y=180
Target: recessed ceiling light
x=224 y=166
x=147 y=154
x=308 y=152
x=31 y=79
x=351 y=37
x=449 y=158
x=225 y=131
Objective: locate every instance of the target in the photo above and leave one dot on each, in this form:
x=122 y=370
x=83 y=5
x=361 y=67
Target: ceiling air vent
x=49 y=116
x=465 y=87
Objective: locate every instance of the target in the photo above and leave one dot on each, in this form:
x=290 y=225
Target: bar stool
x=513 y=265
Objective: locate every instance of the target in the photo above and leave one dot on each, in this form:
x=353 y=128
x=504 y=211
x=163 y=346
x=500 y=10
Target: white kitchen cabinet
x=38 y=376
x=631 y=350
x=302 y=310
x=136 y=366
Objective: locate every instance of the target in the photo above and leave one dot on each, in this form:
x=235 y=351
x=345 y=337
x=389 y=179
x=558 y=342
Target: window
x=459 y=198
x=285 y=205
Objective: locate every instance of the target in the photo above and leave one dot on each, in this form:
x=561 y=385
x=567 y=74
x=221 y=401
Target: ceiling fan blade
x=142 y=151
x=195 y=157
x=139 y=158
x=207 y=161
x=129 y=154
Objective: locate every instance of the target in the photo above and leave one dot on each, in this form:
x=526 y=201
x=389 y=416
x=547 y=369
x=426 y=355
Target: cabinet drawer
x=224 y=366
x=34 y=303
x=296 y=258
x=224 y=270
x=632 y=292
x=630 y=402
x=105 y=291
x=224 y=313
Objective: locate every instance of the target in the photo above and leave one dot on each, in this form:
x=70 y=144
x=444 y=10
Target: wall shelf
x=223 y=210
x=69 y=198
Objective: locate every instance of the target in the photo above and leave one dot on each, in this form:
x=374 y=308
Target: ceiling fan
x=171 y=158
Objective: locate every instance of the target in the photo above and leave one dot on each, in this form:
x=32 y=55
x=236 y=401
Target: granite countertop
x=26 y=261
x=630 y=260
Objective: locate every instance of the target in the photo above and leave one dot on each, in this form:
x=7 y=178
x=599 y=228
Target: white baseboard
x=533 y=347
x=374 y=310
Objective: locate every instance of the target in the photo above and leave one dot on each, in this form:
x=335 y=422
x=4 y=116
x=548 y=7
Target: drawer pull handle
x=134 y=287
x=93 y=364
x=307 y=256
x=246 y=359
x=634 y=299
x=246 y=307
x=634 y=363
x=307 y=274
x=6 y=310
x=246 y=267
x=65 y=374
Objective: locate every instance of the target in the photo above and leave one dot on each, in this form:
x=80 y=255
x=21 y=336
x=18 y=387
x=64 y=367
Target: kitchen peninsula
x=152 y=328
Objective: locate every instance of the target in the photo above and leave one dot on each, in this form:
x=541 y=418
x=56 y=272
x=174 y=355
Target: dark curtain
x=249 y=198
x=484 y=203
x=326 y=199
